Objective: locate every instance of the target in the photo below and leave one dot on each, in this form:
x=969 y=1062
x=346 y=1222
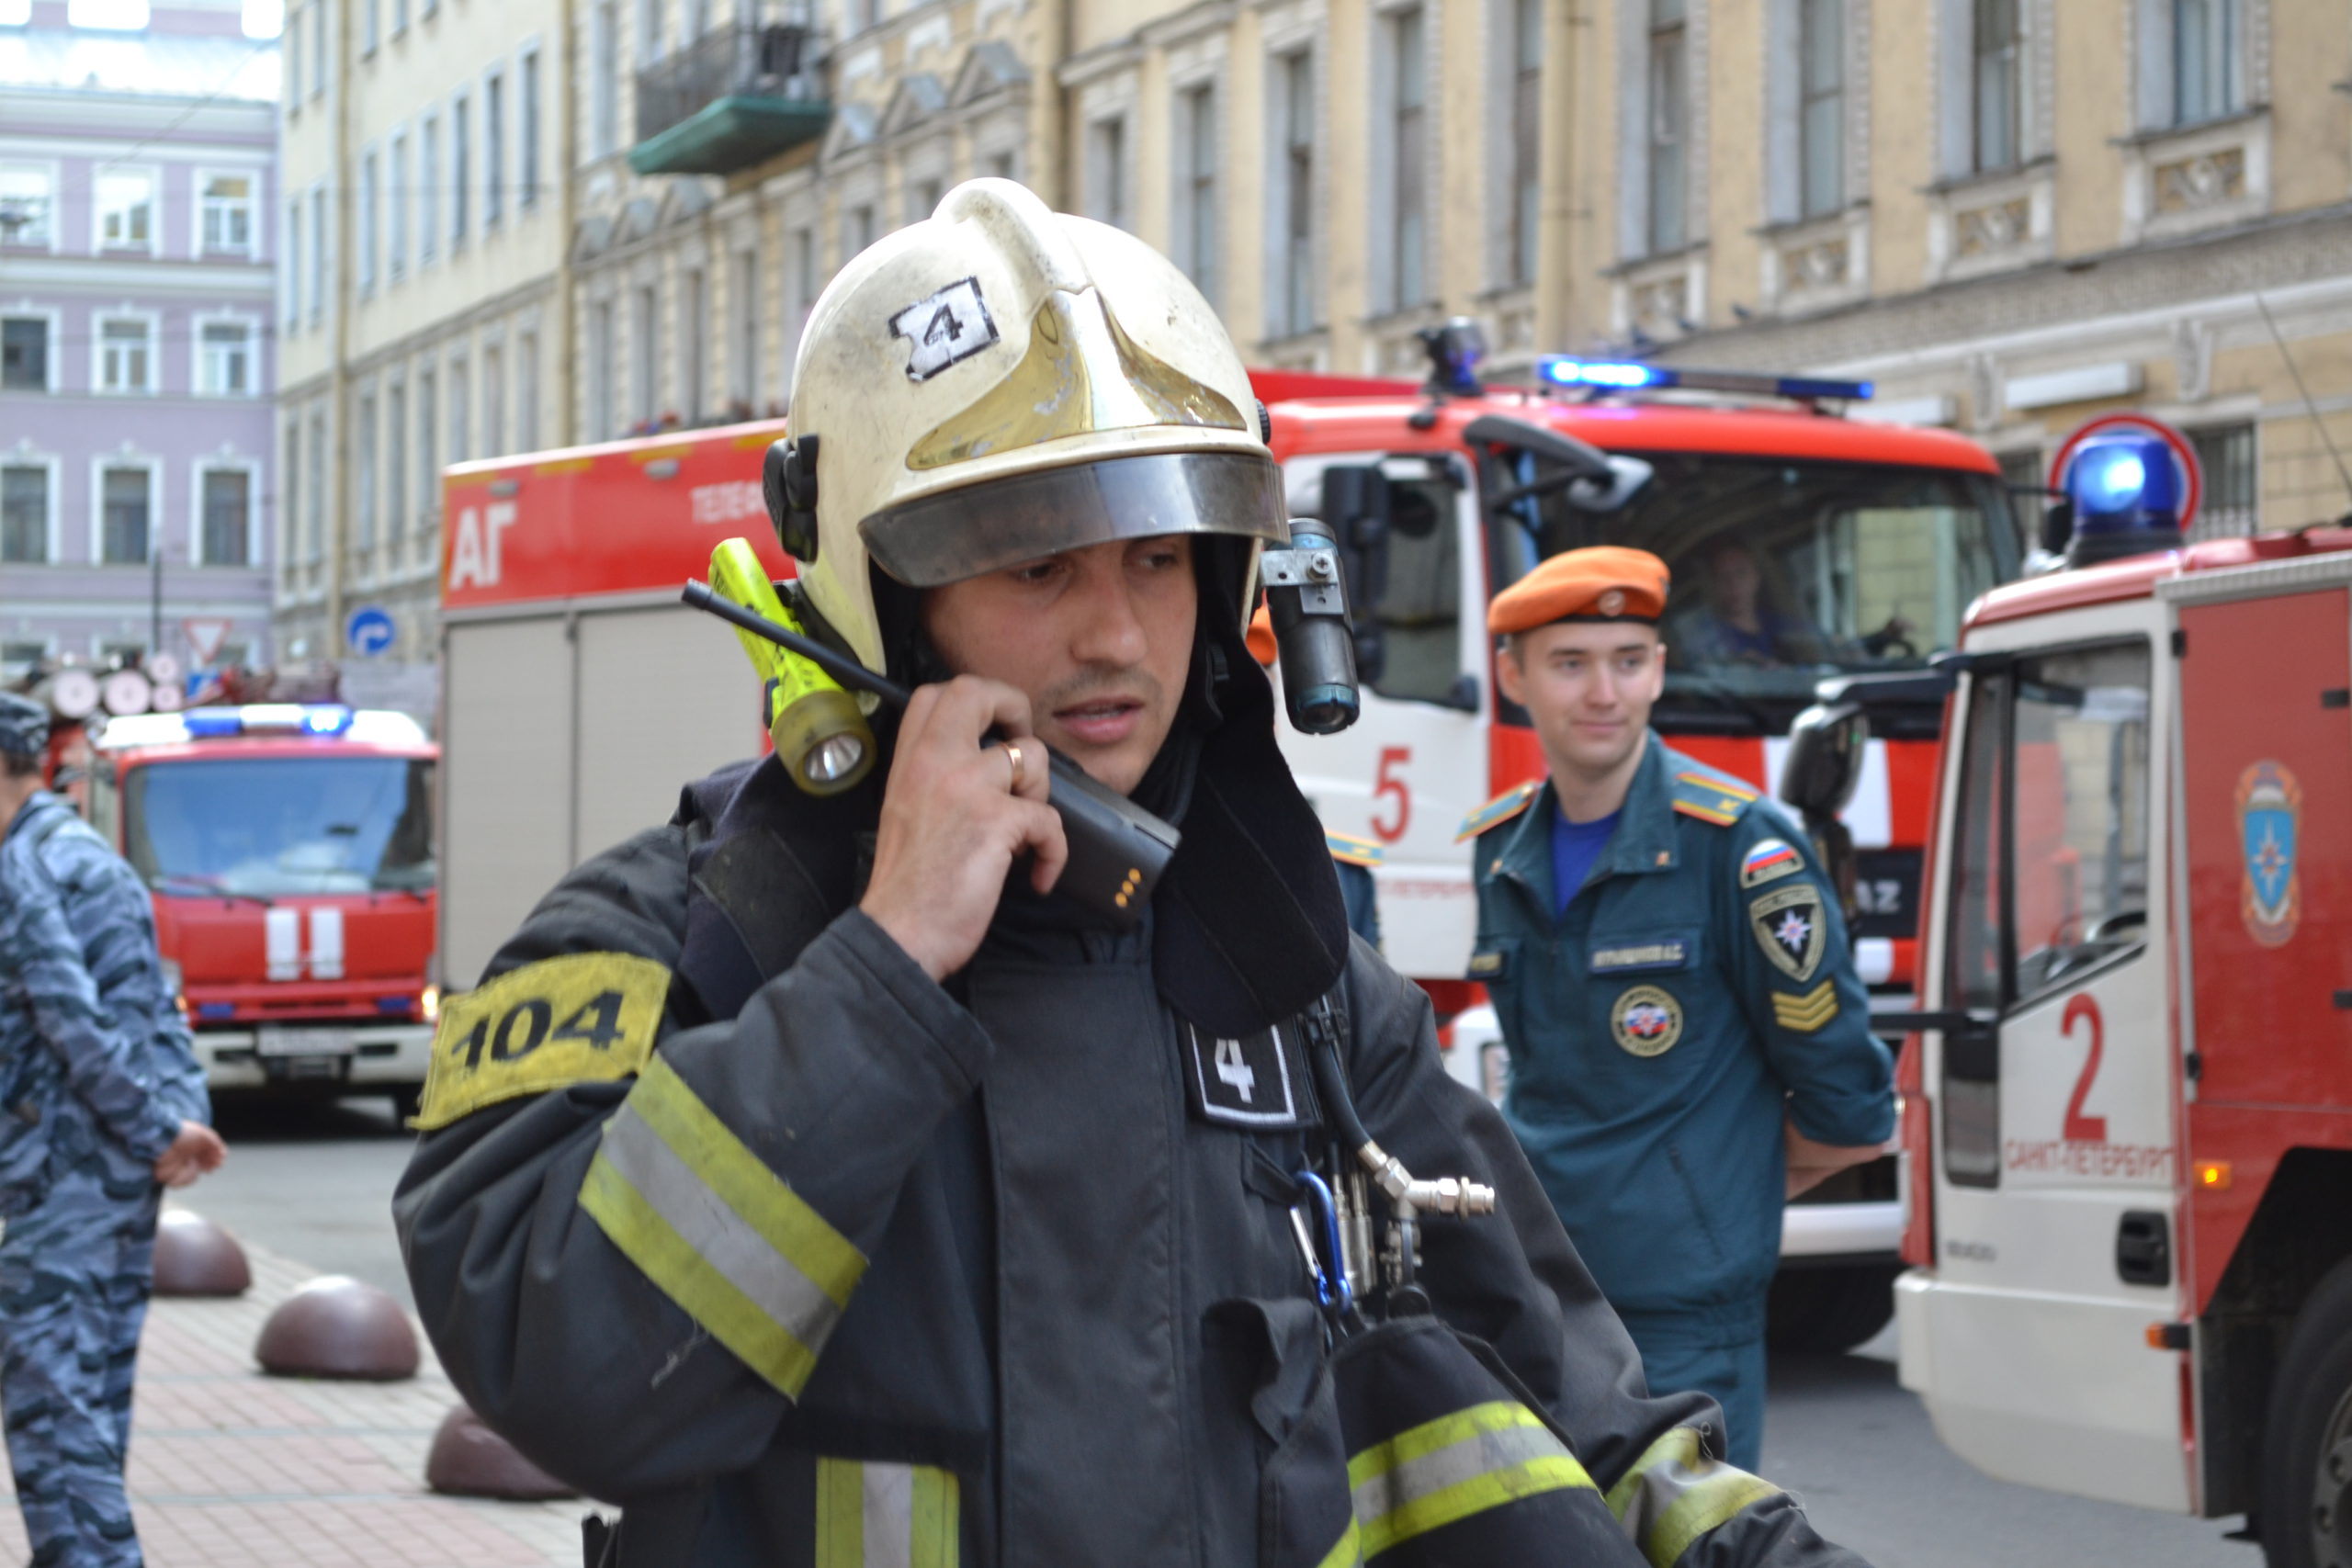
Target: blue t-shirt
x=1574 y=847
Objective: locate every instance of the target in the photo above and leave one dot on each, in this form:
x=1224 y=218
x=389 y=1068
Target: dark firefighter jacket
x=851 y=1268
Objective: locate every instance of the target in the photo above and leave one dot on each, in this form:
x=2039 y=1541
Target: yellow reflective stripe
x=1475 y=1496
x=1675 y=1494
x=1496 y=1416
x=746 y=1185
x=1347 y=1551
x=887 y=1516
x=682 y=1274
x=841 y=1514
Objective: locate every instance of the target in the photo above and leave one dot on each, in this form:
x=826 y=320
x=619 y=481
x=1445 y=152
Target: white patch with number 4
x=950 y=325
x=1235 y=1069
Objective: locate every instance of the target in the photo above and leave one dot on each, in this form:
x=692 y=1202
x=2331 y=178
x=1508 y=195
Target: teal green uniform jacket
x=1697 y=988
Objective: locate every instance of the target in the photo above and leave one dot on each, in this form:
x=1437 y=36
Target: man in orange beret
x=1690 y=1042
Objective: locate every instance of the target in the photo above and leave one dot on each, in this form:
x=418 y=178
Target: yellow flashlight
x=820 y=731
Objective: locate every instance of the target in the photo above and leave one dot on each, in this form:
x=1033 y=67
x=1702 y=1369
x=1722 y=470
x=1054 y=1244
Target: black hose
x=1331 y=1079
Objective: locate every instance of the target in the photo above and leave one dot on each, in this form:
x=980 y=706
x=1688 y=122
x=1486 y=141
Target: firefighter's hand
x=197 y=1150
x=956 y=815
x=1811 y=1163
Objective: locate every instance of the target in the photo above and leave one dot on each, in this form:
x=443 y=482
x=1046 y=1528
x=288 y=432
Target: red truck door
x=2266 y=740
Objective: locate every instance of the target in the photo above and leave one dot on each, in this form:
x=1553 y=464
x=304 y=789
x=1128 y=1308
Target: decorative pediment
x=591 y=237
x=852 y=133
x=685 y=199
x=916 y=98
x=640 y=218
x=993 y=67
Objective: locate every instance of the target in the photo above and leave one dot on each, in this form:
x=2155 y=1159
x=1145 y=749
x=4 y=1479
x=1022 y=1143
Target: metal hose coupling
x=1447 y=1195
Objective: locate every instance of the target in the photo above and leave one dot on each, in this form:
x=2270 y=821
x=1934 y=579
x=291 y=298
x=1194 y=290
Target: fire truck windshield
x=258 y=826
x=1786 y=570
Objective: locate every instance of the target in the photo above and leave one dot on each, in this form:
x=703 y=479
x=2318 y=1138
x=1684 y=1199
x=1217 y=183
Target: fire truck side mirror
x=1825 y=758
x=2057 y=526
x=1357 y=507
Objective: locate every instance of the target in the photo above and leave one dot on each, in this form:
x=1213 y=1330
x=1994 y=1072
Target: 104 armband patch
x=581 y=1018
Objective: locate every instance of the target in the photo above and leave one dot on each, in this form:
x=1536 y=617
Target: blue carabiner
x=1330 y=1282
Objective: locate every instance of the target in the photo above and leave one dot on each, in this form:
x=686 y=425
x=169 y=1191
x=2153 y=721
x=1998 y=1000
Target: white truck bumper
x=365 y=1056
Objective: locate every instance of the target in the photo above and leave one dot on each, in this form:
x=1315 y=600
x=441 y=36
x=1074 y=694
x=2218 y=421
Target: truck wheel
x=1830 y=1311
x=2307 y=1453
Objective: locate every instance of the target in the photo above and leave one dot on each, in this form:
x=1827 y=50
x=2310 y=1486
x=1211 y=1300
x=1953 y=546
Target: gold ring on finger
x=1013 y=755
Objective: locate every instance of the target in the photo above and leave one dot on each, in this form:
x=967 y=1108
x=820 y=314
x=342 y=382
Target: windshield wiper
x=209 y=887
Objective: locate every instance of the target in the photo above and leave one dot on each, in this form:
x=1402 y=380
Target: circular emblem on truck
x=2270 y=816
x=1646 y=1020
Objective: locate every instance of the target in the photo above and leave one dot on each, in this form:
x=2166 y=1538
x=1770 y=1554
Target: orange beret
x=1604 y=582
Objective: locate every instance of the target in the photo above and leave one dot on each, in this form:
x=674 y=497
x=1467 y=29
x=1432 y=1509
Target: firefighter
x=1689 y=1043
x=808 y=1179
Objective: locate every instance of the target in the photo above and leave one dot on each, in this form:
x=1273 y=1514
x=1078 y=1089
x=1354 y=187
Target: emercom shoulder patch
x=583 y=1017
x=1788 y=926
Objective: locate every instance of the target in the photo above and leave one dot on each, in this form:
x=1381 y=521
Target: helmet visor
x=959 y=534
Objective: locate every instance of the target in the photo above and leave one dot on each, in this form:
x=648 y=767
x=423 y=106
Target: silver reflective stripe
x=1674 y=1494
x=888 y=1506
x=1479 y=1454
x=716 y=1232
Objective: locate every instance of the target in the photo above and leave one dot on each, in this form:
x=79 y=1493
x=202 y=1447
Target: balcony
x=735 y=96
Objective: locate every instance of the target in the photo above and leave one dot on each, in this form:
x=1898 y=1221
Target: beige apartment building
x=2011 y=215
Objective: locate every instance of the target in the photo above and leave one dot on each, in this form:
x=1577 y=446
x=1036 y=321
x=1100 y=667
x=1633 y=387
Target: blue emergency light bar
x=2124 y=492
x=267 y=718
x=1630 y=375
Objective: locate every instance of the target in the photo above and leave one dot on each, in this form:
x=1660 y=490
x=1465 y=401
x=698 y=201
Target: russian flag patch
x=1770 y=860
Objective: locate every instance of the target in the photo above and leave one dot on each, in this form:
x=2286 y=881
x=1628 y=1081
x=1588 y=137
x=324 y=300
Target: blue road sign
x=369 y=631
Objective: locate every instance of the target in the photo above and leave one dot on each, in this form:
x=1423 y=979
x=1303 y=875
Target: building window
x=1294 y=202
x=2231 y=504
x=126 y=210
x=493 y=150
x=228 y=516
x=493 y=402
x=648 y=32
x=526 y=391
x=229 y=214
x=319 y=50
x=318 y=254
x=1669 y=113
x=428 y=471
x=400 y=17
x=228 y=362
x=289 y=503
x=396 y=197
x=293 y=273
x=24 y=513
x=1408 y=162
x=803 y=285
x=461 y=167
x=372 y=10
x=605 y=102
x=292 y=43
x=1821 y=106
x=460 y=413
x=370 y=196
x=922 y=198
x=1107 y=171
x=691 y=338
x=527 y=174
x=2022 y=477
x=315 y=535
x=599 y=412
x=24 y=354
x=363 y=510
x=743 y=368
x=645 y=354
x=1196 y=225
x=125 y=499
x=125 y=353
x=2204 y=60
x=395 y=461
x=1526 y=135
x=1996 y=51
x=428 y=188
x=26 y=204
x=857 y=232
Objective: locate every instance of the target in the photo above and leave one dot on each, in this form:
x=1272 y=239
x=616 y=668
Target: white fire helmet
x=998 y=383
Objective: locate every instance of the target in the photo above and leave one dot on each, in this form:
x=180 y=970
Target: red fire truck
x=1803 y=543
x=289 y=847
x=2127 y=1119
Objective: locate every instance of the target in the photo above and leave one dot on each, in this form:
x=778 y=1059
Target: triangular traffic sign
x=205 y=634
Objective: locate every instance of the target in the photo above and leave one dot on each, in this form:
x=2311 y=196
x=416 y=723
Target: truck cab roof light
x=1628 y=374
x=325 y=718
x=2123 y=496
x=201 y=723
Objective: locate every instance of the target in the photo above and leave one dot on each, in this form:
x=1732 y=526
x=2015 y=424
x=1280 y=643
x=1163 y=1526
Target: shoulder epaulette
x=1503 y=809
x=1712 y=797
x=1352 y=851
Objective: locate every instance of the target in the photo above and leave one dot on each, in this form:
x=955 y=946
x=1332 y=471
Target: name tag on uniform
x=1636 y=957
x=1258 y=1081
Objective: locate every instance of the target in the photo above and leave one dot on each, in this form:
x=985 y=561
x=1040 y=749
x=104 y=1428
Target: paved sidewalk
x=230 y=1466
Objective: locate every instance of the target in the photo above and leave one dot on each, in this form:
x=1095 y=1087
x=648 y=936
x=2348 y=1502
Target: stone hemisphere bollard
x=469 y=1460
x=196 y=1257
x=337 y=1326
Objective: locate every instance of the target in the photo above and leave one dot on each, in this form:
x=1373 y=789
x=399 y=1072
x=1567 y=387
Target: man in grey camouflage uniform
x=102 y=1103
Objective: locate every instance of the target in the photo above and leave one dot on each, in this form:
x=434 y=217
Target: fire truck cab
x=2128 y=1113
x=289 y=847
